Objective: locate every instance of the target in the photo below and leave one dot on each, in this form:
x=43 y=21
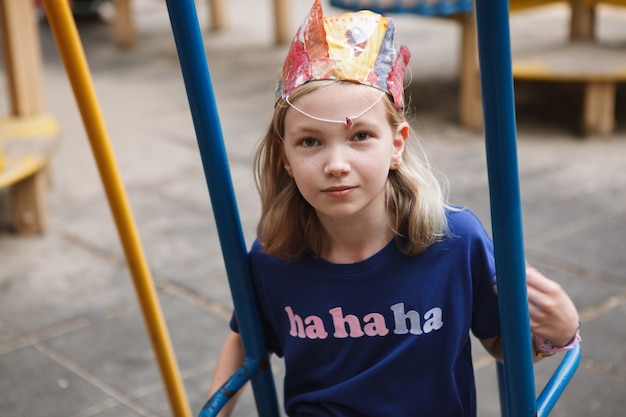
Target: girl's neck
x=350 y=243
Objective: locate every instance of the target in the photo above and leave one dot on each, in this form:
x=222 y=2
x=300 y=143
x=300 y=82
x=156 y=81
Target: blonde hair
x=415 y=199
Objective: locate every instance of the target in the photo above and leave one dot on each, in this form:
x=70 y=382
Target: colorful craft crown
x=355 y=47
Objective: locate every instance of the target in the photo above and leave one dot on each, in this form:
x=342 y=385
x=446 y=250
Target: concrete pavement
x=72 y=340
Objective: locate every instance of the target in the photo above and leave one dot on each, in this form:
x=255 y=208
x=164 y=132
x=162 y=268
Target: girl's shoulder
x=463 y=222
x=258 y=257
x=256 y=251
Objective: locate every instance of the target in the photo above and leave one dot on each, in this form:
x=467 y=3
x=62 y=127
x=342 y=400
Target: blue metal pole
x=194 y=66
x=226 y=393
x=504 y=402
x=555 y=387
x=494 y=50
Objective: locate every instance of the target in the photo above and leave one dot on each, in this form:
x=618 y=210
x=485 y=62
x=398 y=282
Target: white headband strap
x=348 y=121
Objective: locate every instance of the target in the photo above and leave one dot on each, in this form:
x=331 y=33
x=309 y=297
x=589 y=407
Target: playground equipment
x=516 y=376
x=597 y=66
x=27 y=133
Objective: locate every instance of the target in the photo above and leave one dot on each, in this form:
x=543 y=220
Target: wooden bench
x=28 y=133
x=582 y=60
x=597 y=66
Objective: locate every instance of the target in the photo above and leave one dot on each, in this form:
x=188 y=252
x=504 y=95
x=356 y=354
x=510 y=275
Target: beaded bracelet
x=544 y=348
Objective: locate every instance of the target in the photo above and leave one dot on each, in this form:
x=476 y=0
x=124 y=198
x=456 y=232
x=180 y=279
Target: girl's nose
x=336 y=163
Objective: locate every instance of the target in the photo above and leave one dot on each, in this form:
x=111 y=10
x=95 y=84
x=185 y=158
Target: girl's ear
x=403 y=130
x=288 y=167
x=286 y=163
x=399 y=141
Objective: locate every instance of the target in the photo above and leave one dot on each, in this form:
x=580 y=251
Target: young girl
x=368 y=282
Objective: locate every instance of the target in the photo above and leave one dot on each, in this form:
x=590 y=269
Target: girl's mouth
x=338 y=191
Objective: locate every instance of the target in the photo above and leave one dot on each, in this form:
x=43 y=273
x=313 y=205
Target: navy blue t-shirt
x=387 y=336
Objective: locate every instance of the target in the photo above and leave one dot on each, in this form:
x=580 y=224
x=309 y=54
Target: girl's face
x=342 y=171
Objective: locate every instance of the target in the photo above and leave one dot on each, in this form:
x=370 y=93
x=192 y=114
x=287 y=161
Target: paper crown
x=355 y=47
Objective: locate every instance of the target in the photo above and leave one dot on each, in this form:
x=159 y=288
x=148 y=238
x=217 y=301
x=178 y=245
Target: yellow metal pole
x=73 y=56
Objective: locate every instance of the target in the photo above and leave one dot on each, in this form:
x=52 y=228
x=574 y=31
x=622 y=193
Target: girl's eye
x=361 y=136
x=309 y=142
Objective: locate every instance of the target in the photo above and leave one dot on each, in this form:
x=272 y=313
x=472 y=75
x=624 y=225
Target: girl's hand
x=553 y=315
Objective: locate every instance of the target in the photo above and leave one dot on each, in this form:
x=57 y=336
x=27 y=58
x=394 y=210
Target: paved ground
x=72 y=340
